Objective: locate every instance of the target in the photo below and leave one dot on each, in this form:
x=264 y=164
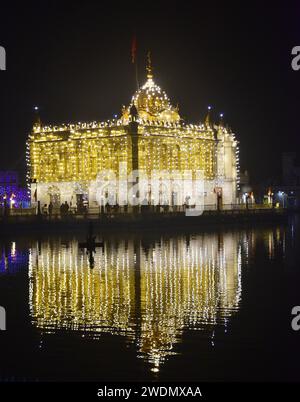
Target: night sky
x=73 y=61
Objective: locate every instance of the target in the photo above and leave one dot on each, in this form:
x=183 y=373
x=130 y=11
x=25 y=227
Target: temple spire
x=149 y=66
x=221 y=124
x=207 y=118
x=36 y=118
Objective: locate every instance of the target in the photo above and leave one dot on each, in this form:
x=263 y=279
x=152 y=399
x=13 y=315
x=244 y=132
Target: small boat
x=91 y=243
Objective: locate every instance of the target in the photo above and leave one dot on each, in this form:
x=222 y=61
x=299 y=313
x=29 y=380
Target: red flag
x=133 y=49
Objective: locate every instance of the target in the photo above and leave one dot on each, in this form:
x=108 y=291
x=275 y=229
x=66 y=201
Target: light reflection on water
x=150 y=305
x=148 y=292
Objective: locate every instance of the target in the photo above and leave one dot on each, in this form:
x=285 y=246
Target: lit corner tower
x=31 y=175
x=227 y=163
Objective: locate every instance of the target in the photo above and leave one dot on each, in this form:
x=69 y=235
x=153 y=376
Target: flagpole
x=134 y=60
x=136 y=75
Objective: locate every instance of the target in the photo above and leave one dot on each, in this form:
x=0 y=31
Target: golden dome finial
x=149 y=66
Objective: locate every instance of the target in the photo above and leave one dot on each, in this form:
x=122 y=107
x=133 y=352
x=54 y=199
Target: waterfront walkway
x=147 y=217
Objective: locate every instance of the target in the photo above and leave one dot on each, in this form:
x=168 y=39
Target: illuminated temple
x=65 y=161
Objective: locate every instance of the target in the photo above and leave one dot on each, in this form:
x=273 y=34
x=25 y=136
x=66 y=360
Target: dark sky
x=73 y=60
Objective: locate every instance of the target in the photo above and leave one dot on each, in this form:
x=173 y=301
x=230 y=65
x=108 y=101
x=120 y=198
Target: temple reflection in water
x=148 y=291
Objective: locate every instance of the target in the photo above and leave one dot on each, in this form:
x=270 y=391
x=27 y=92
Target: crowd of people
x=65 y=209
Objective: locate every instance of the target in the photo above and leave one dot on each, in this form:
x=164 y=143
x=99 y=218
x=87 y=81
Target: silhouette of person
x=50 y=208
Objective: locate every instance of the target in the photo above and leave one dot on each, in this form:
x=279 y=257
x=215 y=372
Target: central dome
x=150 y=99
x=152 y=103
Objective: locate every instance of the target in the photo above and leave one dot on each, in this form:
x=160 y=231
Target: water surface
x=206 y=306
